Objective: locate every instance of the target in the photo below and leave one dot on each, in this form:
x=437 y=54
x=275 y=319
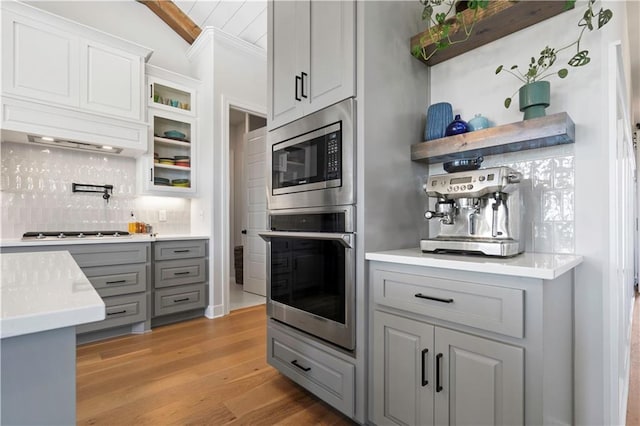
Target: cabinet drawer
x=179 y=272
x=118 y=279
x=330 y=378
x=109 y=254
x=178 y=299
x=120 y=310
x=487 y=307
x=170 y=250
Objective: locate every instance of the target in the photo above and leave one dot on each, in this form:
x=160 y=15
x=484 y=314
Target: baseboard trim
x=214 y=311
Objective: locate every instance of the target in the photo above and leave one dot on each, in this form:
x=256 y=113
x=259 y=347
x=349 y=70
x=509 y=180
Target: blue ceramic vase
x=438 y=117
x=456 y=127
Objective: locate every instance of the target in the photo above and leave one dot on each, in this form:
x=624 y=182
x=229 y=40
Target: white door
x=254 y=258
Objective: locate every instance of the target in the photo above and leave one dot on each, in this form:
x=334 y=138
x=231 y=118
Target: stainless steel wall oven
x=311 y=271
x=311 y=238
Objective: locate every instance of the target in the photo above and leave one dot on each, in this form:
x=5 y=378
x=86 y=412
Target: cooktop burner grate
x=73 y=234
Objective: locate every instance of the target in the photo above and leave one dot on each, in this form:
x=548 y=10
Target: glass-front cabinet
x=169 y=166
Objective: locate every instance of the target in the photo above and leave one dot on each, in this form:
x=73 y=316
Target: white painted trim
x=238 y=44
x=214 y=311
x=174 y=77
x=204 y=39
x=228 y=102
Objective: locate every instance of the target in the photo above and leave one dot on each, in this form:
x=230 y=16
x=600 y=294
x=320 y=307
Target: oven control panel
x=333 y=155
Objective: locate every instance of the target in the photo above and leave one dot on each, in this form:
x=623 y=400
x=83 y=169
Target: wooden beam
x=175 y=18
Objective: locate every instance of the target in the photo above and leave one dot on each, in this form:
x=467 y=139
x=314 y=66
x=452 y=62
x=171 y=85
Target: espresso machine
x=480 y=212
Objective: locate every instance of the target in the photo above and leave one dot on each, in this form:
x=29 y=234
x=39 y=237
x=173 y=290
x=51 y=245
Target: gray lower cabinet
x=313 y=367
x=427 y=375
x=180 y=277
x=450 y=347
x=120 y=273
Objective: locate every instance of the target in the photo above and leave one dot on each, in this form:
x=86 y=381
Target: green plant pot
x=534 y=98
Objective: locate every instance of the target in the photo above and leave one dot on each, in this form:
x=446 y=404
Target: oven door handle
x=344 y=239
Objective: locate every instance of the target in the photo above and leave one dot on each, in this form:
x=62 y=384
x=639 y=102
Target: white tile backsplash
x=548 y=188
x=35 y=193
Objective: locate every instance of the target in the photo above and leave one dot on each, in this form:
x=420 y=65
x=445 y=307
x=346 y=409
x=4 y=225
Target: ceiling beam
x=175 y=18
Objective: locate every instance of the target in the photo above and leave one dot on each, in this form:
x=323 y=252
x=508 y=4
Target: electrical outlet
x=162 y=215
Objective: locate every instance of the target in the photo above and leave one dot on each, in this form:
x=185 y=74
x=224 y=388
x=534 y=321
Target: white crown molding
x=211 y=34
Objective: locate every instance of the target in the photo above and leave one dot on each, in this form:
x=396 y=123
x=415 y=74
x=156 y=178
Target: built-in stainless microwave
x=311 y=161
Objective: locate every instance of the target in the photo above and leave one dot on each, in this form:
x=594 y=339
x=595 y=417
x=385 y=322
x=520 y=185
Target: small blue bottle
x=457 y=127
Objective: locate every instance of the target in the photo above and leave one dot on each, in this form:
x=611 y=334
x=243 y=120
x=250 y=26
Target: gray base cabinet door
x=482 y=381
x=403 y=380
x=426 y=375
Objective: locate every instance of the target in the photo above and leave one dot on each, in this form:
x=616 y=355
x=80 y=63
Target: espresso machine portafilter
x=479 y=211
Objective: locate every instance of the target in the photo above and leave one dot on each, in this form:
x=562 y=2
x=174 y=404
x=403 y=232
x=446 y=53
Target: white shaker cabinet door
x=39 y=61
x=111 y=81
x=332 y=54
x=403 y=380
x=482 y=381
x=288 y=58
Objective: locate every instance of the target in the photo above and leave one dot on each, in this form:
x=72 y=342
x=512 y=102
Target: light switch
x=162 y=215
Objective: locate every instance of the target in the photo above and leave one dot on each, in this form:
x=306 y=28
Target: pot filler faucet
x=480 y=212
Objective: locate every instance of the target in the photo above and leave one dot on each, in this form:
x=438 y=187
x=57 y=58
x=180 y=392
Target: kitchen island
x=471 y=339
x=43 y=296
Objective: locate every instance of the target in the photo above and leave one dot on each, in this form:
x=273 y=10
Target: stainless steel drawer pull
x=295 y=362
x=116 y=282
x=182 y=273
x=184 y=299
x=437 y=299
x=181 y=251
x=117 y=312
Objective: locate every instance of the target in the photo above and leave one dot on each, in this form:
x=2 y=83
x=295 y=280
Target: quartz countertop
x=44 y=291
x=530 y=265
x=136 y=238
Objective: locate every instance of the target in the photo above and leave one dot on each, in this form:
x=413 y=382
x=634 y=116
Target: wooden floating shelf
x=540 y=132
x=499 y=19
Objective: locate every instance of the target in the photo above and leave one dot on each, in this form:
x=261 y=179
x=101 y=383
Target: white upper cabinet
x=111 y=81
x=311 y=57
x=39 y=61
x=84 y=81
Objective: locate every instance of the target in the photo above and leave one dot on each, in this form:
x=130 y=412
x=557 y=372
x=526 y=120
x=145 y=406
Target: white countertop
x=530 y=265
x=44 y=291
x=136 y=238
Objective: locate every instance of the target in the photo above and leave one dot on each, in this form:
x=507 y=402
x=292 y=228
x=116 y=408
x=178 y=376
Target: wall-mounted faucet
x=106 y=190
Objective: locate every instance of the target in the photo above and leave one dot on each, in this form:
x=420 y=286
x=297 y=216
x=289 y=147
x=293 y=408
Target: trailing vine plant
x=442 y=25
x=540 y=68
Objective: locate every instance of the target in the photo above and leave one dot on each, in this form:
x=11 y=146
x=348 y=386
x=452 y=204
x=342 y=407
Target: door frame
x=229 y=102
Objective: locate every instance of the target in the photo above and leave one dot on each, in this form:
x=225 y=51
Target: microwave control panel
x=333 y=155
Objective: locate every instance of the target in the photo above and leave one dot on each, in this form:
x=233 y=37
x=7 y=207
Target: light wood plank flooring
x=207 y=372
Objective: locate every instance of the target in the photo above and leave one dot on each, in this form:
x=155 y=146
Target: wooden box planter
x=499 y=19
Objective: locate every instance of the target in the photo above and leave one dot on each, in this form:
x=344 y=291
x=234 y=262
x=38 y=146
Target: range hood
x=11 y=136
x=31 y=122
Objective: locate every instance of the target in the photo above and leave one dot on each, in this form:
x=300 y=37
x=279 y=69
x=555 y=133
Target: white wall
x=469 y=84
x=239 y=73
x=129 y=20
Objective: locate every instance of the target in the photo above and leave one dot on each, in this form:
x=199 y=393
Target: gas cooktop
x=47 y=236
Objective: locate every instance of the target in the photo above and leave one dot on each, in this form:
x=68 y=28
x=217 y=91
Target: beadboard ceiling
x=246 y=19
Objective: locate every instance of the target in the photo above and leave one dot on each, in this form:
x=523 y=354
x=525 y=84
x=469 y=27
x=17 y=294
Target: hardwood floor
x=207 y=372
